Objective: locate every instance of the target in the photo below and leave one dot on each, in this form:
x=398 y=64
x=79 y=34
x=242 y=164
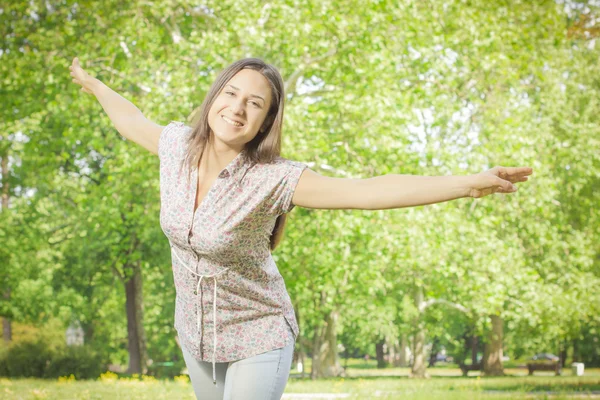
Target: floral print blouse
x=231 y=301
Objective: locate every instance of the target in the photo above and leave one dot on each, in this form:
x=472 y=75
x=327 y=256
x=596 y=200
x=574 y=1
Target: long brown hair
x=267 y=143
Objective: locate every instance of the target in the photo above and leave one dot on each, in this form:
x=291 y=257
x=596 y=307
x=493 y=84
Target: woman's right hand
x=81 y=77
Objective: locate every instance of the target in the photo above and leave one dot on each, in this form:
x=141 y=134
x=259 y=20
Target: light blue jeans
x=262 y=377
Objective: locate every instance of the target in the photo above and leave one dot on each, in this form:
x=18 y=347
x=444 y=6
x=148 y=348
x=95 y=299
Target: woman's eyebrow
x=251 y=95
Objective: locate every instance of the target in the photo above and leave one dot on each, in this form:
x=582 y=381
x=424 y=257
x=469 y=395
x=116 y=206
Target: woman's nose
x=237 y=107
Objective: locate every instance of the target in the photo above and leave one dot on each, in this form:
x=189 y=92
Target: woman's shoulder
x=277 y=170
x=172 y=139
x=282 y=162
x=175 y=130
x=177 y=126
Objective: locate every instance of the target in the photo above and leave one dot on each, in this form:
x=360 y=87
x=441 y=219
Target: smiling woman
x=225 y=192
x=238 y=112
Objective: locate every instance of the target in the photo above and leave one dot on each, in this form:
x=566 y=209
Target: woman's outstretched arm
x=125 y=116
x=397 y=191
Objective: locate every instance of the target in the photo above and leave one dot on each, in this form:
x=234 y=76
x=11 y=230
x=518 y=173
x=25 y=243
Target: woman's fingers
x=519 y=178
x=79 y=76
x=508 y=187
x=518 y=172
x=500 y=180
x=510 y=171
x=503 y=186
x=514 y=174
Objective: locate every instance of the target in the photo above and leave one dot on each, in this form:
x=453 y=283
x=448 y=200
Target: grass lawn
x=362 y=382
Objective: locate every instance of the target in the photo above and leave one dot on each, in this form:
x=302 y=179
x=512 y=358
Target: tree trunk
x=316 y=348
x=88 y=331
x=563 y=353
x=6 y=322
x=492 y=360
x=302 y=361
x=300 y=354
x=419 y=368
x=393 y=349
x=433 y=354
x=379 y=351
x=403 y=359
x=394 y=352
x=325 y=351
x=474 y=347
x=135 y=329
x=576 y=355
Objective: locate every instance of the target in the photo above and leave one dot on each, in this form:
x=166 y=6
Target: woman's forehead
x=251 y=82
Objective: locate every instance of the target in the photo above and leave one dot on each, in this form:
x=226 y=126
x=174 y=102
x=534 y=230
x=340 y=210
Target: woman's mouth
x=232 y=122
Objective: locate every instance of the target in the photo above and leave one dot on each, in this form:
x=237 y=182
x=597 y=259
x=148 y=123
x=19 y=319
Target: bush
x=25 y=359
x=166 y=369
x=81 y=361
x=36 y=359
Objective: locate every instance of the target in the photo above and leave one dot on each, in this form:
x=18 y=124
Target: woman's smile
x=232 y=122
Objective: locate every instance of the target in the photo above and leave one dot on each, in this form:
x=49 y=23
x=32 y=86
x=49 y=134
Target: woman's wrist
x=94 y=85
x=470 y=184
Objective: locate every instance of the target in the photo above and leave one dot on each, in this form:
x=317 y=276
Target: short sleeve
x=171 y=142
x=287 y=175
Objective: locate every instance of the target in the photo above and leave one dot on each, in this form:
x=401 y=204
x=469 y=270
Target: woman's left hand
x=498 y=180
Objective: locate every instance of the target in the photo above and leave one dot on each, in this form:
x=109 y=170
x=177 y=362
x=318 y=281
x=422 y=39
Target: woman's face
x=239 y=111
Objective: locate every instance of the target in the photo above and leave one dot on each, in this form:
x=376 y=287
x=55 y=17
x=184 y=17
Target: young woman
x=225 y=192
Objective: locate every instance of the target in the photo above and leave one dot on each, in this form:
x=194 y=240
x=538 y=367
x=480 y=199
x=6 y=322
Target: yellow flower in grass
x=67 y=379
x=39 y=393
x=130 y=382
x=109 y=377
x=182 y=379
x=149 y=379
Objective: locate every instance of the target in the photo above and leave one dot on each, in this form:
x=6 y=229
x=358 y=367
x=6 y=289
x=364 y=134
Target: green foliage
x=26 y=359
x=38 y=359
x=168 y=370
x=374 y=87
x=83 y=362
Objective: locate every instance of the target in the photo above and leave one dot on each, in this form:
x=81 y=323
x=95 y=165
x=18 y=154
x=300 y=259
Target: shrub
x=36 y=359
x=166 y=369
x=81 y=361
x=25 y=359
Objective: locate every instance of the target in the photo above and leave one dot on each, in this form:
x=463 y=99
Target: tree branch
x=423 y=306
x=290 y=83
x=144 y=88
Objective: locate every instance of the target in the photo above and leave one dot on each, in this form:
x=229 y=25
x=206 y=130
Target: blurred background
x=373 y=87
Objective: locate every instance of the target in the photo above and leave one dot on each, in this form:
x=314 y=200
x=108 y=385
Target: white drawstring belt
x=198 y=311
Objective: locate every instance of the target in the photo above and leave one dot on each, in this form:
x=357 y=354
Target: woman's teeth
x=231 y=122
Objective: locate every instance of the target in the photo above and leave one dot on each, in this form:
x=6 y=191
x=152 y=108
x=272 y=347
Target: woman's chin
x=230 y=139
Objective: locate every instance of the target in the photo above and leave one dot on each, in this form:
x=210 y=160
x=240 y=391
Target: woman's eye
x=229 y=93
x=255 y=104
